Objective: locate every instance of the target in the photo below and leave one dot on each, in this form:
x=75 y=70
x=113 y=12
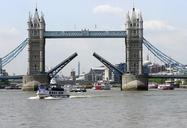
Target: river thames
x=95 y=109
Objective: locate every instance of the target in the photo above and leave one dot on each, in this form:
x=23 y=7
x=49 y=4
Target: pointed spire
x=133 y=17
x=133 y=6
x=128 y=17
x=42 y=18
x=36 y=16
x=30 y=17
x=140 y=17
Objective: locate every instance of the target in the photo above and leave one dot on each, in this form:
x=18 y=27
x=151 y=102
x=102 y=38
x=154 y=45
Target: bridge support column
x=132 y=82
x=31 y=82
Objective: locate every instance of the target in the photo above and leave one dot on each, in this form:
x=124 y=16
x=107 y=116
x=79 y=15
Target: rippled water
x=95 y=109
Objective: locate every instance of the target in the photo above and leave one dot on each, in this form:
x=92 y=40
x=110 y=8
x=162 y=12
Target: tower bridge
x=133 y=39
x=133 y=79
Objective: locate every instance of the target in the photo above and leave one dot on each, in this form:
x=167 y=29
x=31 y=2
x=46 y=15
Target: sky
x=165 y=26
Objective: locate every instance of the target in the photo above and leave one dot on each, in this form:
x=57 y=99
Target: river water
x=95 y=109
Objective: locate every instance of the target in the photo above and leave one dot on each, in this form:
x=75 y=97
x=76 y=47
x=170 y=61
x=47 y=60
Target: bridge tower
x=134 y=79
x=36 y=51
x=36 y=28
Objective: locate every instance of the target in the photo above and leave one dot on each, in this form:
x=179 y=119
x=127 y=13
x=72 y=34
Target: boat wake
x=34 y=98
x=46 y=98
x=86 y=96
x=71 y=97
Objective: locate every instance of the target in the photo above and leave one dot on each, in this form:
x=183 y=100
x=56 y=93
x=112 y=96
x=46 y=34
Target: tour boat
x=169 y=85
x=102 y=85
x=165 y=87
x=53 y=91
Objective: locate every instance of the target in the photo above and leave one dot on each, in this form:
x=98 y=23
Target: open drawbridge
x=52 y=73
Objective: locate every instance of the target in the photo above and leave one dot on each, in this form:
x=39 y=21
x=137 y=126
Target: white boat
x=165 y=87
x=53 y=91
x=169 y=85
x=42 y=92
x=78 y=89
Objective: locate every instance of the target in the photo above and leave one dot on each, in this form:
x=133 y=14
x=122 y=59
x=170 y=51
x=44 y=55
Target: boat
x=78 y=89
x=153 y=86
x=13 y=86
x=42 y=92
x=102 y=85
x=169 y=85
x=53 y=91
x=165 y=87
x=58 y=91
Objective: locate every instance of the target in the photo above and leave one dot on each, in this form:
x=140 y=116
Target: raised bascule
x=133 y=79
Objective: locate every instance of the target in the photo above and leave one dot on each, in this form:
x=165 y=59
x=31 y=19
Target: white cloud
x=158 y=25
x=9 y=31
x=171 y=43
x=107 y=9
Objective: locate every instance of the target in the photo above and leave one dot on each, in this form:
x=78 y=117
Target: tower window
x=35 y=67
x=134 y=31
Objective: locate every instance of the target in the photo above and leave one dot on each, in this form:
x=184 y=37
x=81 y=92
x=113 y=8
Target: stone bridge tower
x=36 y=28
x=134 y=28
x=36 y=52
x=134 y=78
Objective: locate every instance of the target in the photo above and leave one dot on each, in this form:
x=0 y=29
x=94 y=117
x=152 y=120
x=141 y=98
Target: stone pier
x=133 y=82
x=31 y=82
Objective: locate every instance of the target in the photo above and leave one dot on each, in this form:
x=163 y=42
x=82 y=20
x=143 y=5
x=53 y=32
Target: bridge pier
x=31 y=82
x=132 y=82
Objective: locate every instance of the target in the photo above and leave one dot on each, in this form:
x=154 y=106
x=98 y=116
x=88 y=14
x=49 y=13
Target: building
x=95 y=74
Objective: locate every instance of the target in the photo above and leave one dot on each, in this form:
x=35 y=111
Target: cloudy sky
x=165 y=26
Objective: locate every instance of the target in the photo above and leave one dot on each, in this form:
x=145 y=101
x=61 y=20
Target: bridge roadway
x=85 y=34
x=149 y=76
